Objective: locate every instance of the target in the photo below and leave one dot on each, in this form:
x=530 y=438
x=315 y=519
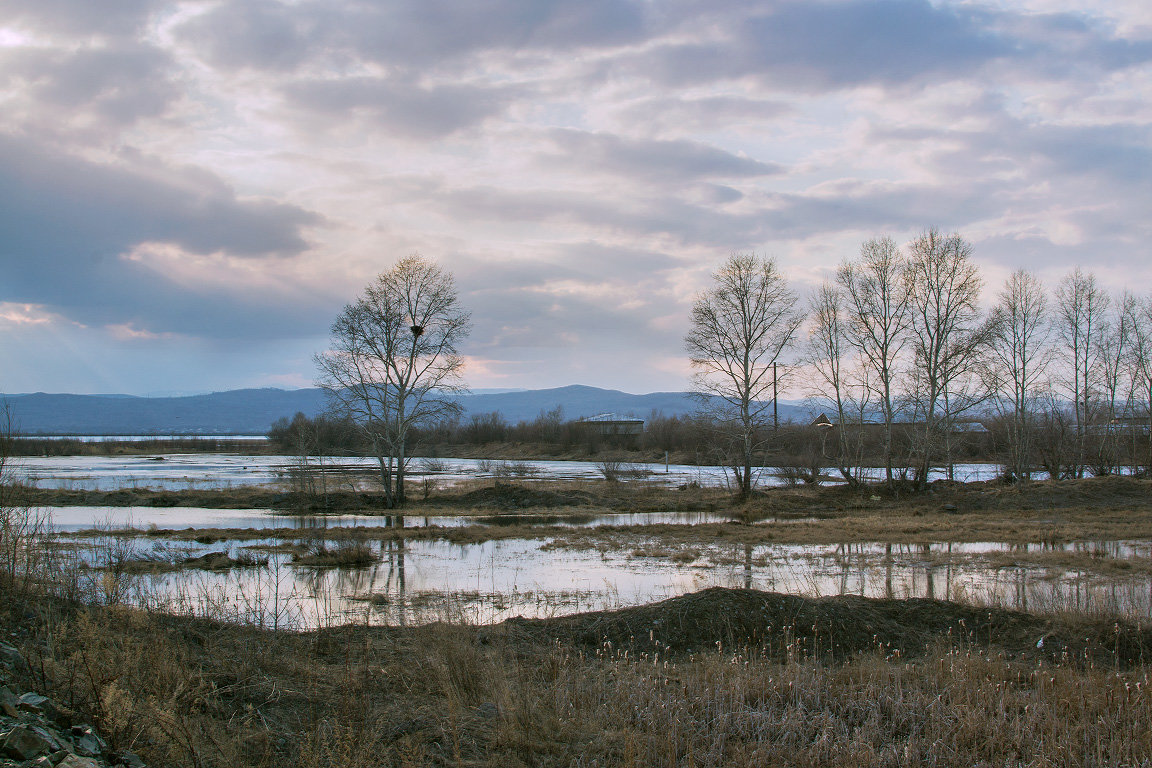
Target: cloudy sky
x=191 y=190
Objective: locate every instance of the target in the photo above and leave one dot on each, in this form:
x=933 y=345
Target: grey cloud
x=1117 y=154
x=706 y=114
x=849 y=207
x=423 y=33
x=118 y=84
x=586 y=261
x=510 y=309
x=1105 y=254
x=654 y=160
x=81 y=17
x=262 y=34
x=1121 y=153
x=717 y=194
x=65 y=224
x=1064 y=44
x=634 y=216
x=834 y=44
x=411 y=34
x=407 y=108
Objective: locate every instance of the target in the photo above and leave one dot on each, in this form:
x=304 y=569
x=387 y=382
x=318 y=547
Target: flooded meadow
x=484 y=565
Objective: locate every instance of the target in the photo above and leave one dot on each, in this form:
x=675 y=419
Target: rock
x=951 y=508
x=88 y=743
x=128 y=759
x=9 y=704
x=75 y=761
x=42 y=705
x=32 y=702
x=11 y=658
x=24 y=743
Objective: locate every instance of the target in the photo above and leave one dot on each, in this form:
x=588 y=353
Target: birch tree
x=1019 y=336
x=948 y=337
x=394 y=361
x=1081 y=307
x=835 y=381
x=1112 y=360
x=1140 y=321
x=740 y=327
x=877 y=296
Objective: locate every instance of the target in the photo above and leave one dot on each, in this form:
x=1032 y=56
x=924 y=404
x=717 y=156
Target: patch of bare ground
x=838 y=627
x=518 y=496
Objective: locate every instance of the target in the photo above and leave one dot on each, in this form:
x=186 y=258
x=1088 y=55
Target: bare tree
x=1081 y=308
x=394 y=361
x=834 y=380
x=1140 y=353
x=948 y=337
x=1019 y=336
x=1112 y=360
x=877 y=296
x=740 y=327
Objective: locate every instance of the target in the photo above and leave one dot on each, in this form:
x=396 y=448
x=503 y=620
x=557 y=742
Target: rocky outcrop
x=36 y=731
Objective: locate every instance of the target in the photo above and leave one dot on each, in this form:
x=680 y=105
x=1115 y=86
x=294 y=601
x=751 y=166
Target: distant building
x=609 y=424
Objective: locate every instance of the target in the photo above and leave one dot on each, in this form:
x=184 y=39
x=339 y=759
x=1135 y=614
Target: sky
x=190 y=191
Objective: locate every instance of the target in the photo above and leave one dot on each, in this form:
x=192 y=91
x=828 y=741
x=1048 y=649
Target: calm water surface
x=421 y=581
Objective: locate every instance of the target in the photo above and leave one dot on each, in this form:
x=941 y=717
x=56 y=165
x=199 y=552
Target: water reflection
x=414 y=582
x=78 y=518
x=178 y=471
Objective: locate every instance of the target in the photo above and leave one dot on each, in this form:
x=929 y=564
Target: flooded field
x=79 y=518
x=479 y=565
x=398 y=581
x=224 y=470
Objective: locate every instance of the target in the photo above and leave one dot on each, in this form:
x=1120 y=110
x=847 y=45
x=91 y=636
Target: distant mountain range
x=252 y=411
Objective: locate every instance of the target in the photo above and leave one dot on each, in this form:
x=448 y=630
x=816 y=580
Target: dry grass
x=344 y=554
x=197 y=693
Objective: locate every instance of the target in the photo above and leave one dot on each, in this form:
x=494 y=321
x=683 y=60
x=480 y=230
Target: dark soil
x=836 y=627
x=518 y=496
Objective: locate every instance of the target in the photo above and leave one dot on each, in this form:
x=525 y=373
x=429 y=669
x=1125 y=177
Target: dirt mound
x=513 y=496
x=838 y=627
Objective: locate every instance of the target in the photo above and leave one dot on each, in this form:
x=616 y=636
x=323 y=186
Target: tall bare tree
x=740 y=327
x=1140 y=351
x=948 y=339
x=877 y=296
x=1081 y=307
x=827 y=354
x=1113 y=360
x=394 y=361
x=1020 y=331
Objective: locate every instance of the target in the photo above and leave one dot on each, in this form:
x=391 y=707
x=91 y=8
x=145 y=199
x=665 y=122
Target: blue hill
x=252 y=411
